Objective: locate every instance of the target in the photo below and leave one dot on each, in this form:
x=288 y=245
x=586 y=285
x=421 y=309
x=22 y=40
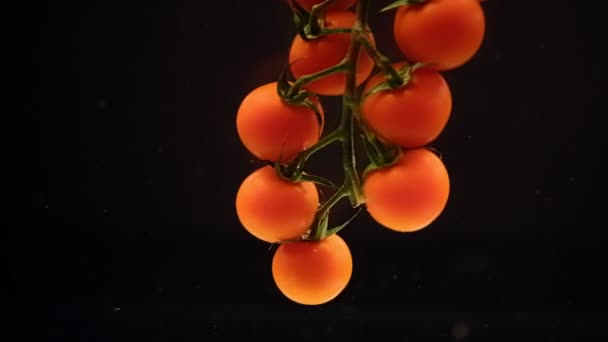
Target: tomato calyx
x=336 y=229
x=294 y=171
x=320 y=228
x=301 y=18
x=298 y=97
x=404 y=75
x=311 y=25
x=395 y=78
x=402 y=78
x=400 y=3
x=380 y=156
x=379 y=153
x=287 y=173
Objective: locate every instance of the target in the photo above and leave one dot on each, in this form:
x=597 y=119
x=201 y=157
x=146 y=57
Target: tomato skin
x=409 y=195
x=410 y=116
x=312 y=272
x=312 y=56
x=340 y=4
x=273 y=209
x=447 y=33
x=269 y=127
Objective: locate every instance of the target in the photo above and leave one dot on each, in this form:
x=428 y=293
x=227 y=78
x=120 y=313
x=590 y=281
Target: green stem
x=349 y=101
x=304 y=80
x=351 y=187
x=381 y=153
x=325 y=31
x=317 y=11
x=400 y=3
x=297 y=165
x=382 y=62
x=320 y=230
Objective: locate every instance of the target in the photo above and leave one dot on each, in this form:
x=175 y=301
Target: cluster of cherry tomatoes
x=407 y=112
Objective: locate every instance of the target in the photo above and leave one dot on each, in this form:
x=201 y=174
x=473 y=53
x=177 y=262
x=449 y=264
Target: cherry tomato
x=446 y=33
x=269 y=127
x=410 y=194
x=410 y=116
x=312 y=272
x=311 y=56
x=273 y=209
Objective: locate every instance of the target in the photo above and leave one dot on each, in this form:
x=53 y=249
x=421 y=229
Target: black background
x=131 y=233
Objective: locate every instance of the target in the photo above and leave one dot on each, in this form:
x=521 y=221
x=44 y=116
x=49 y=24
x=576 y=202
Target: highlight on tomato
x=270 y=129
x=410 y=116
x=410 y=194
x=446 y=33
x=273 y=209
x=308 y=57
x=312 y=272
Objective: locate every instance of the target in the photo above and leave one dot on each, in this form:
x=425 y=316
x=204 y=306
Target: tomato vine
x=377 y=152
x=395 y=111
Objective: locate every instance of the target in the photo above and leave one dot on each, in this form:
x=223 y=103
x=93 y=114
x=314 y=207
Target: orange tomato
x=446 y=33
x=269 y=127
x=311 y=56
x=312 y=272
x=340 y=4
x=410 y=194
x=273 y=209
x=410 y=116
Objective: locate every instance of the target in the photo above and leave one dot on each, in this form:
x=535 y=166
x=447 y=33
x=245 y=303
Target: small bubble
x=101 y=104
x=571 y=178
x=395 y=277
x=538 y=192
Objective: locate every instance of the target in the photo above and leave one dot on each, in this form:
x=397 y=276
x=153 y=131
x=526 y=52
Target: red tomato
x=269 y=127
x=312 y=272
x=410 y=194
x=273 y=209
x=410 y=116
x=446 y=33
